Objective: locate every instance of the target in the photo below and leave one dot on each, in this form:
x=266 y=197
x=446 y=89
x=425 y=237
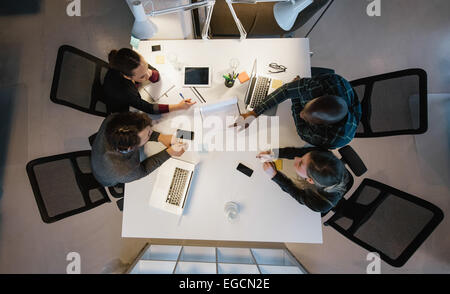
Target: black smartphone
x=245 y=170
x=186 y=135
x=156 y=48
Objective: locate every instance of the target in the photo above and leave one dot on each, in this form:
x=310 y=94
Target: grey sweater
x=111 y=167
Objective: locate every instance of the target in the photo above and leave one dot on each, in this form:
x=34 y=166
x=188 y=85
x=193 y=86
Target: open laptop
x=258 y=89
x=171 y=189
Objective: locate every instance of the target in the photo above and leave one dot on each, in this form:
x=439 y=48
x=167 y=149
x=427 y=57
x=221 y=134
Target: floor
x=409 y=33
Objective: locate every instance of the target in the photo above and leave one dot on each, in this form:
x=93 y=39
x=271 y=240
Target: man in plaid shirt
x=326 y=111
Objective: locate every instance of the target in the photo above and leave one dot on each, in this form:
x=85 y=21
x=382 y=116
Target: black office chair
x=383 y=219
x=63 y=185
x=386 y=106
x=77 y=81
x=120 y=204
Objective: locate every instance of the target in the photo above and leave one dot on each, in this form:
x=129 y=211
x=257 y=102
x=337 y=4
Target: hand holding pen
x=184 y=104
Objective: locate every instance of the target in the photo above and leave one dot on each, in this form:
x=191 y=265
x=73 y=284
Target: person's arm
x=150 y=108
x=292 y=90
x=272 y=100
x=291 y=152
x=146 y=167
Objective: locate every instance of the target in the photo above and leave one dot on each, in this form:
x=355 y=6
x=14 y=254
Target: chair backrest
x=77 y=81
x=393 y=103
x=383 y=219
x=91 y=139
x=63 y=185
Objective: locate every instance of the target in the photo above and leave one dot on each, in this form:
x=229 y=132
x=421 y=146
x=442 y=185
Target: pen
x=182 y=96
x=226 y=78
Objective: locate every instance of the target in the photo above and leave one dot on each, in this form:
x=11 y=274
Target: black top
x=121 y=93
x=316 y=199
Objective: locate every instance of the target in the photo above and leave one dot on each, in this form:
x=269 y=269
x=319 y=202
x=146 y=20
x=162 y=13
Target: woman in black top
x=322 y=177
x=128 y=70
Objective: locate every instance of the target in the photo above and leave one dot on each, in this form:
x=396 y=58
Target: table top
x=267 y=214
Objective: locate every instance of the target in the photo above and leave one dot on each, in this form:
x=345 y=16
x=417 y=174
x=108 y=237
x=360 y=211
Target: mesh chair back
x=77 y=81
x=393 y=104
x=63 y=185
x=383 y=219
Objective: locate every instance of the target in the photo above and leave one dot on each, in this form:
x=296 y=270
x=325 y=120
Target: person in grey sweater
x=115 y=151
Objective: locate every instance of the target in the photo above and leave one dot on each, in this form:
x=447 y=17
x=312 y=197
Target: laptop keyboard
x=260 y=91
x=177 y=186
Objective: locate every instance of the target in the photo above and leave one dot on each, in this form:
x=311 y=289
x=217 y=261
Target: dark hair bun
x=124 y=60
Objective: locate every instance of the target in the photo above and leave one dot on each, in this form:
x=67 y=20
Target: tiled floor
x=409 y=33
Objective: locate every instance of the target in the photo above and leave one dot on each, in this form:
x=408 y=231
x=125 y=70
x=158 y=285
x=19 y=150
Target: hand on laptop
x=177 y=149
x=244 y=120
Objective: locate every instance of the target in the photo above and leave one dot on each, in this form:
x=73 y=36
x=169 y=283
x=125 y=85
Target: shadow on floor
x=7 y=107
x=20 y=7
x=9 y=63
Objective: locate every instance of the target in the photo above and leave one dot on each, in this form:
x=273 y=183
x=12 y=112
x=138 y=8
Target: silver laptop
x=258 y=89
x=171 y=189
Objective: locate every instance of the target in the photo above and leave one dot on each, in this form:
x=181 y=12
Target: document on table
x=215 y=113
x=159 y=89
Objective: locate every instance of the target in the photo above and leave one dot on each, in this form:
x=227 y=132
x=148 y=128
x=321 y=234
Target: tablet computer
x=196 y=76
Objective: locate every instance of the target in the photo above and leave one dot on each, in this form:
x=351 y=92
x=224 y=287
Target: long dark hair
x=123 y=128
x=125 y=60
x=327 y=171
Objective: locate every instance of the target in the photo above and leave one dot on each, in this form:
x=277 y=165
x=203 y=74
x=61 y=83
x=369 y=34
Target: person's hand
x=265 y=156
x=270 y=169
x=185 y=104
x=166 y=140
x=176 y=149
x=244 y=120
x=296 y=79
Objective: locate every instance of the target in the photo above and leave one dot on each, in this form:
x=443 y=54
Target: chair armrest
x=352 y=159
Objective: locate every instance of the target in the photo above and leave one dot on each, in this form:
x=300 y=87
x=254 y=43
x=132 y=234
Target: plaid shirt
x=304 y=90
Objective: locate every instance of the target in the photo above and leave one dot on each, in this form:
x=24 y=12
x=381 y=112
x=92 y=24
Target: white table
x=267 y=213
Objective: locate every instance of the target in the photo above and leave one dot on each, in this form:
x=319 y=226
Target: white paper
x=222 y=109
x=158 y=90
